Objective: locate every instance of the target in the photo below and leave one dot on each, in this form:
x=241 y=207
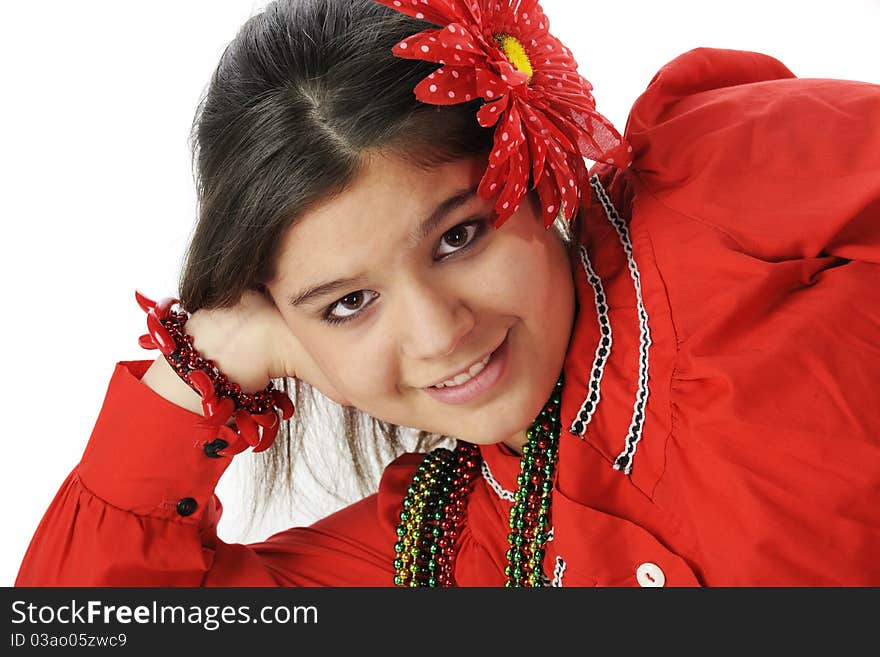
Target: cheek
x=346 y=365
x=362 y=369
x=529 y=277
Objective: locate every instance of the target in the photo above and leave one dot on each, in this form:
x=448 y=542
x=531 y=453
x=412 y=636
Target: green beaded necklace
x=436 y=499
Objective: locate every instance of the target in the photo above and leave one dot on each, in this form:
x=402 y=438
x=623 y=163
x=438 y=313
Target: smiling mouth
x=468 y=374
x=489 y=372
x=465 y=376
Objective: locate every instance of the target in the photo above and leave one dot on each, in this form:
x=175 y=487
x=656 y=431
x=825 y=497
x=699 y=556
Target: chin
x=483 y=440
x=496 y=434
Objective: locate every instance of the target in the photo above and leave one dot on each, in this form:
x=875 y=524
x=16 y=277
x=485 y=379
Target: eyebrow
x=428 y=226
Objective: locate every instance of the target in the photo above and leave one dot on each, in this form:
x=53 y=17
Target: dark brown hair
x=305 y=90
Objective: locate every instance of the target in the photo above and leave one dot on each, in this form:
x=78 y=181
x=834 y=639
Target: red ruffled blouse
x=721 y=408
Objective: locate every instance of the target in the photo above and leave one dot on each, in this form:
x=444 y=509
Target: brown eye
x=458 y=238
x=352 y=301
x=349 y=306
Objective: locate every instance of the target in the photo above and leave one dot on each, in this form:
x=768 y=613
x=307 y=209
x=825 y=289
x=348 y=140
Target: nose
x=434 y=321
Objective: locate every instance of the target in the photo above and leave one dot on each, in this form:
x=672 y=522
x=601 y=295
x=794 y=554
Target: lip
x=480 y=384
x=452 y=376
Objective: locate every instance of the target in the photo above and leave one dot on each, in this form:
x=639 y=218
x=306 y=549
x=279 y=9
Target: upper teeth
x=475 y=369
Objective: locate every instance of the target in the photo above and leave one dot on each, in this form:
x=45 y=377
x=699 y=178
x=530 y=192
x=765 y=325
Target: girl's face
x=401 y=283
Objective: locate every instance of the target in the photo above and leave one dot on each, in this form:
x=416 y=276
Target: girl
x=673 y=386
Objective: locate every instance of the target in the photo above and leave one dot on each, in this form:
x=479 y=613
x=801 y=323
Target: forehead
x=377 y=213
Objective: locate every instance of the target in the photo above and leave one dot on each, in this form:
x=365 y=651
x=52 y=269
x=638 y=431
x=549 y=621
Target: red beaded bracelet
x=221 y=399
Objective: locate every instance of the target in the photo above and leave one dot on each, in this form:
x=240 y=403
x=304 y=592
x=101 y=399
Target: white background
x=97 y=195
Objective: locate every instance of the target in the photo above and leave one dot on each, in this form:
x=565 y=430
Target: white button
x=649 y=574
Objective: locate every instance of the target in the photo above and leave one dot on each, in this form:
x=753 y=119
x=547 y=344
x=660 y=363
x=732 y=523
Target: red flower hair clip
x=545 y=116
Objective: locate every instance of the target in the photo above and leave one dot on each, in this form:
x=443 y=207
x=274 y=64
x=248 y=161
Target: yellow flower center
x=515 y=53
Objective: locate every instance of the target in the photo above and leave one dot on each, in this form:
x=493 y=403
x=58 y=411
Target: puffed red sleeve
x=785 y=167
x=139 y=509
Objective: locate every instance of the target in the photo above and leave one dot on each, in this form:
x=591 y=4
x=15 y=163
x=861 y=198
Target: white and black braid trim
x=603 y=350
x=501 y=492
x=558 y=572
x=625 y=460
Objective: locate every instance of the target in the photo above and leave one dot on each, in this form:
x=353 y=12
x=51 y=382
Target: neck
x=517 y=441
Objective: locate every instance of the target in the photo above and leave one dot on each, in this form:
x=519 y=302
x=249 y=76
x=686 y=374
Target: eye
x=459 y=237
x=349 y=306
x=456 y=239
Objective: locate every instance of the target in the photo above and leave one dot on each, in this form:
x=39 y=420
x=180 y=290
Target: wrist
x=165 y=382
x=174 y=333
x=218 y=344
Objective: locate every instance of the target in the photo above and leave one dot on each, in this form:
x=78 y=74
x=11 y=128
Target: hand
x=250 y=342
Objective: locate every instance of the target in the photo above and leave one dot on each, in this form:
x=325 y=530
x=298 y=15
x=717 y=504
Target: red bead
x=161 y=337
x=144 y=302
x=283 y=402
x=266 y=420
x=146 y=342
x=267 y=438
x=218 y=411
x=246 y=426
x=163 y=308
x=202 y=382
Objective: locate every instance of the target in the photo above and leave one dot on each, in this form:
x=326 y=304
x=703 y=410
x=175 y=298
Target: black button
x=187 y=506
x=215 y=446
